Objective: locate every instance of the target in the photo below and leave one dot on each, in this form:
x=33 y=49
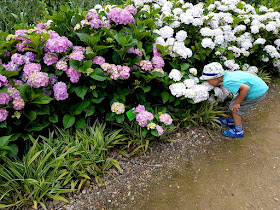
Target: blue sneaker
x=233 y=133
x=227 y=122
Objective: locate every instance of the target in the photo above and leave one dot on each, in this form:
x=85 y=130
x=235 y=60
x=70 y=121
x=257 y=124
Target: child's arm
x=243 y=91
x=251 y=72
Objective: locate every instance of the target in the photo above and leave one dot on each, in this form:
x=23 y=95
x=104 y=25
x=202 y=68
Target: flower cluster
x=117 y=108
x=121 y=16
x=116 y=71
x=60 y=91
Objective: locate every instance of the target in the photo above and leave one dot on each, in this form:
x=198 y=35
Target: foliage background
x=31 y=11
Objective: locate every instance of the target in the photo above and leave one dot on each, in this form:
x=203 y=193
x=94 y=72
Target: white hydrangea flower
x=206 y=31
x=166 y=32
x=208 y=43
x=175 y=24
x=263 y=9
x=193 y=71
x=189 y=83
x=177 y=89
x=201 y=93
x=259 y=41
x=177 y=11
x=189 y=93
x=139 y=3
x=253 y=69
x=186 y=18
x=156 y=6
x=175 y=75
x=207 y=85
x=181 y=36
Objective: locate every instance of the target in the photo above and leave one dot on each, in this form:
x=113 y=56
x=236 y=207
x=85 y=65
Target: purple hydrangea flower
x=11 y=66
x=3 y=81
x=98 y=60
x=20 y=32
x=121 y=16
x=13 y=92
x=60 y=91
x=73 y=74
x=4 y=98
x=21 y=46
x=53 y=79
x=31 y=56
x=166 y=119
x=131 y=9
x=19 y=59
x=18 y=103
x=47 y=92
x=3 y=115
x=18 y=82
x=53 y=34
x=91 y=15
x=38 y=79
x=159 y=129
x=58 y=44
x=107 y=24
x=50 y=58
x=30 y=68
x=158 y=62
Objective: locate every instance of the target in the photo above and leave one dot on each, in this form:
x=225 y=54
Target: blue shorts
x=246 y=104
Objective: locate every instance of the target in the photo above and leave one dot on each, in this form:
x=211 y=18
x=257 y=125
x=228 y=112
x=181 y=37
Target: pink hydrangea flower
x=104 y=66
x=30 y=68
x=11 y=66
x=58 y=44
x=4 y=98
x=98 y=60
x=158 y=70
x=77 y=55
x=158 y=62
x=159 y=129
x=19 y=33
x=61 y=65
x=50 y=58
x=79 y=48
x=18 y=103
x=143 y=117
x=131 y=9
x=91 y=15
x=95 y=23
x=3 y=115
x=60 y=91
x=73 y=74
x=166 y=119
x=124 y=72
x=121 y=16
x=21 y=46
x=3 y=80
x=38 y=79
x=146 y=65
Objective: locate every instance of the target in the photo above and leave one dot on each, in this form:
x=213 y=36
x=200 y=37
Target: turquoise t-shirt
x=233 y=80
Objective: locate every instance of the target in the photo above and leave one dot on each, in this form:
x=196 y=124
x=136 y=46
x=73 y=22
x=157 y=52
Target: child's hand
x=235 y=107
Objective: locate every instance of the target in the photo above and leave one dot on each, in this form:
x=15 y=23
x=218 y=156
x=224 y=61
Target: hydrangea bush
x=109 y=60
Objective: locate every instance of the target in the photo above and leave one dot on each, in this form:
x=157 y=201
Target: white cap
x=212 y=71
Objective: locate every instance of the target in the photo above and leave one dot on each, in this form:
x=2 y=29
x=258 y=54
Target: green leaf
x=3 y=124
x=42 y=110
x=98 y=74
x=154 y=132
x=34 y=127
x=185 y=66
x=81 y=91
x=13 y=151
x=165 y=96
x=80 y=123
x=41 y=99
x=9 y=73
x=4 y=140
x=90 y=110
x=120 y=118
x=68 y=121
x=4 y=89
x=53 y=118
x=146 y=89
x=26 y=92
x=116 y=58
x=97 y=100
x=31 y=115
x=110 y=116
x=75 y=64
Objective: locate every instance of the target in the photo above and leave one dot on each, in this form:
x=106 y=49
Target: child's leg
x=237 y=118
